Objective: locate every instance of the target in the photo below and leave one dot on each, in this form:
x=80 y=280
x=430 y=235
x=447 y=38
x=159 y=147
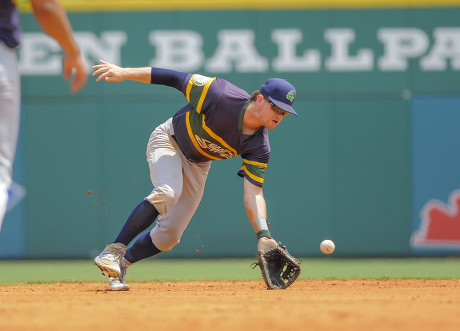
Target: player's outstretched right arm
x=113 y=73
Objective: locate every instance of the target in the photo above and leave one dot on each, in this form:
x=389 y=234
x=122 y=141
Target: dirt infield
x=307 y=305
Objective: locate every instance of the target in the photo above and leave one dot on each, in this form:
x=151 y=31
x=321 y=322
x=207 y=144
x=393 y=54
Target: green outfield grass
x=20 y=272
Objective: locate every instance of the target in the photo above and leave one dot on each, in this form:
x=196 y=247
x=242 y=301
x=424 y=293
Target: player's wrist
x=261 y=227
x=263 y=233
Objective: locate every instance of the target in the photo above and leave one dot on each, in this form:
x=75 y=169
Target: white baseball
x=327 y=246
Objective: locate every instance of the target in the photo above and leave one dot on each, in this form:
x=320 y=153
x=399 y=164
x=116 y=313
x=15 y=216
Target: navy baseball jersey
x=210 y=126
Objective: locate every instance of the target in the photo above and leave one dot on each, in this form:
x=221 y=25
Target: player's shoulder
x=231 y=89
x=200 y=80
x=217 y=84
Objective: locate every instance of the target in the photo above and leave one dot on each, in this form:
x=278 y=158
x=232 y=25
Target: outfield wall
x=374 y=149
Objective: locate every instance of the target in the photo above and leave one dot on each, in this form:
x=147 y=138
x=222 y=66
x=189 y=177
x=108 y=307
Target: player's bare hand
x=109 y=72
x=74 y=68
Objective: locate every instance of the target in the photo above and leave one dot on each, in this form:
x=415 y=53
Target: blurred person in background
x=53 y=20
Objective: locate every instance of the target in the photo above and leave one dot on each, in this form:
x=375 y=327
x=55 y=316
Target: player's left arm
x=279 y=268
x=256 y=208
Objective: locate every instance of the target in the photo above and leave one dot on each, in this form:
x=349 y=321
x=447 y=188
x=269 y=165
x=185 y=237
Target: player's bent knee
x=164 y=241
x=164 y=198
x=166 y=245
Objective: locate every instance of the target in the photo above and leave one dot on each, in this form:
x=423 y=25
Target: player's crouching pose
x=220 y=121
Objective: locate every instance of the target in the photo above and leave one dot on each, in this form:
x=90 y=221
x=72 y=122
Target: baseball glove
x=279 y=268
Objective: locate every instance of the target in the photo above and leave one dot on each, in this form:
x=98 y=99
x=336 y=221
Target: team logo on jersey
x=214 y=148
x=200 y=80
x=291 y=96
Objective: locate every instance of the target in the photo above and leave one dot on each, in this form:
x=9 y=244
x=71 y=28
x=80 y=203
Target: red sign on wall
x=440 y=224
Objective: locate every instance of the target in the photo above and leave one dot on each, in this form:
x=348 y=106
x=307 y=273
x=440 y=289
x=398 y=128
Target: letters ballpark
x=236 y=51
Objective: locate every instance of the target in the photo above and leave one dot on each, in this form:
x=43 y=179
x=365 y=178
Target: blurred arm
x=53 y=19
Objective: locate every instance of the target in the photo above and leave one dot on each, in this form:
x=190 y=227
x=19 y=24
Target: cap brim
x=284 y=106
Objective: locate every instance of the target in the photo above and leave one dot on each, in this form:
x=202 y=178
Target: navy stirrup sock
x=140 y=219
x=142 y=248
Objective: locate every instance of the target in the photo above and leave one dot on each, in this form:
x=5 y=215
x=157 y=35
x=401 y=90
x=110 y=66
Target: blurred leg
x=9 y=120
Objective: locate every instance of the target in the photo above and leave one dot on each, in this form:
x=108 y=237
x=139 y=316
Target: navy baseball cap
x=281 y=93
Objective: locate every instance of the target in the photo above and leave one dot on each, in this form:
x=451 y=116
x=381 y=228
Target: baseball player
x=53 y=20
x=220 y=121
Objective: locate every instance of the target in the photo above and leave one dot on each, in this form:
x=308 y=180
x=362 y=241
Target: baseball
x=327 y=246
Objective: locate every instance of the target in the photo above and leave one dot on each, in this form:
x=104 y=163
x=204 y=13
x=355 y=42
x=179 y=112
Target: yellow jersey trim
x=189 y=88
x=252 y=176
x=203 y=95
x=255 y=163
x=219 y=139
x=192 y=138
x=190 y=85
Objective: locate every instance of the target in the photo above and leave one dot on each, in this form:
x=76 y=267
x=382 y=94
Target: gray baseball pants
x=178 y=186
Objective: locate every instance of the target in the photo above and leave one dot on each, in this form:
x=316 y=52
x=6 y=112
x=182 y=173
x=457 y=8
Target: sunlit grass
x=25 y=271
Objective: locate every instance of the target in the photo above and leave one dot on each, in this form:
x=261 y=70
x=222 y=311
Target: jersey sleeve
x=169 y=77
x=253 y=169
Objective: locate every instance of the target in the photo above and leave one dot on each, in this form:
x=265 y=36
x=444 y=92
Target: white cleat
x=109 y=260
x=118 y=284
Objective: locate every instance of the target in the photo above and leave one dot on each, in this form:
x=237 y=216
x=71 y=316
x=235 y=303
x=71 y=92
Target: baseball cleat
x=117 y=285
x=109 y=260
